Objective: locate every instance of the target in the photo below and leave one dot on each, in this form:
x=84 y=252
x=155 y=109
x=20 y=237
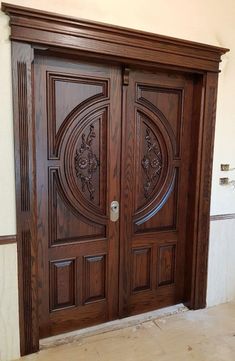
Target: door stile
x=114 y=153
x=126 y=196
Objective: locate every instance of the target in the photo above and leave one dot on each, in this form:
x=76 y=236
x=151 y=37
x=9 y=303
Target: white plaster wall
x=7 y=185
x=9 y=320
x=221 y=275
x=209 y=21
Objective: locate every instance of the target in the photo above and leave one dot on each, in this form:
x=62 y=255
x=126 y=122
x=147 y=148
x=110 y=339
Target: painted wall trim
x=220 y=217
x=7 y=239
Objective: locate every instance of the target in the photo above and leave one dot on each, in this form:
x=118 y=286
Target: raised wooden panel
x=166 y=265
x=166 y=218
x=154 y=168
x=77 y=93
x=167 y=103
x=159 y=132
x=94 y=278
x=64 y=225
x=141 y=269
x=62 y=284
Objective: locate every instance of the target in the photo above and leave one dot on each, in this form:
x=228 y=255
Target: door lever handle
x=114 y=211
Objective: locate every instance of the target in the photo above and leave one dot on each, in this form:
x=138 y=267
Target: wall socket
x=224 y=181
x=224 y=167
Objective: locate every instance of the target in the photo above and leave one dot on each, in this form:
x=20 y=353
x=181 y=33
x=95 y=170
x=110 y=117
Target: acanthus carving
x=151 y=163
x=86 y=162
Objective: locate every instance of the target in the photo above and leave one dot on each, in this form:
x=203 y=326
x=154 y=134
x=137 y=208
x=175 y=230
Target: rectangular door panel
x=62 y=284
x=141 y=269
x=166 y=265
x=77 y=120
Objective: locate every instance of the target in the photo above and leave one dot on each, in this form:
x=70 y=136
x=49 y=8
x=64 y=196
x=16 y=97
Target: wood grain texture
x=25 y=196
x=204 y=191
x=166 y=265
x=56 y=30
x=8 y=239
x=141 y=269
x=155 y=170
x=62 y=284
x=77 y=168
x=94 y=278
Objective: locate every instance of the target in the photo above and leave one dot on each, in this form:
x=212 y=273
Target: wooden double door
x=112 y=183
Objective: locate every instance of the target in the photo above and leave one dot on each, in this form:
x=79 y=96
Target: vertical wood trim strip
x=23 y=134
x=202 y=242
x=25 y=196
x=26 y=261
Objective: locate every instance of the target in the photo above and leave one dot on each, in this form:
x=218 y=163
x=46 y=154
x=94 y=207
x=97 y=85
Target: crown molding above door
x=54 y=30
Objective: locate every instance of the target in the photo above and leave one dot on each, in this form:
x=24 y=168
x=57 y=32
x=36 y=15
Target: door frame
x=34 y=30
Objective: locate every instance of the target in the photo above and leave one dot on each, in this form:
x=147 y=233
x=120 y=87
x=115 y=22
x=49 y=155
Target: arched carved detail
x=57 y=196
x=57 y=129
x=159 y=204
x=83 y=175
x=154 y=155
x=142 y=101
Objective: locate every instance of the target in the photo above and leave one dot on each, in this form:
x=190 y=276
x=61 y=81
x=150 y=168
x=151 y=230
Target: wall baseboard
x=7 y=239
x=220 y=217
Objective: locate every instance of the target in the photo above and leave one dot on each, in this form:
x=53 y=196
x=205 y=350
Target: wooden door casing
x=154 y=190
x=77 y=112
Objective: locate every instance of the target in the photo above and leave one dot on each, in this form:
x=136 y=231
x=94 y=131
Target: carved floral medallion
x=151 y=162
x=86 y=162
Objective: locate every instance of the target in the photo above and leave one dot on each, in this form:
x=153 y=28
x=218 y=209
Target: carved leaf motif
x=86 y=162
x=151 y=163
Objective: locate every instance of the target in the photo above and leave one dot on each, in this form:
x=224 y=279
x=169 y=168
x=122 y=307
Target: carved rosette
x=151 y=163
x=86 y=162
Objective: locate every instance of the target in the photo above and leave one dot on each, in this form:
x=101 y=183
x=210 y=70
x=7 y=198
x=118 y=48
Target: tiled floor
x=205 y=335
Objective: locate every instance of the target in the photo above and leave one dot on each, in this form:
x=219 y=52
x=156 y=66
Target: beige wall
x=9 y=320
x=221 y=275
x=209 y=21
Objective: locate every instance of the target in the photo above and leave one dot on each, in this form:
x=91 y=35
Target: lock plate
x=114 y=211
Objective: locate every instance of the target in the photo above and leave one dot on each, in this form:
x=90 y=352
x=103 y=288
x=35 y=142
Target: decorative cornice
x=40 y=27
x=221 y=217
x=7 y=239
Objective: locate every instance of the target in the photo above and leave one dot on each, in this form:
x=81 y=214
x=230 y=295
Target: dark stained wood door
x=77 y=117
x=88 y=273
x=154 y=189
